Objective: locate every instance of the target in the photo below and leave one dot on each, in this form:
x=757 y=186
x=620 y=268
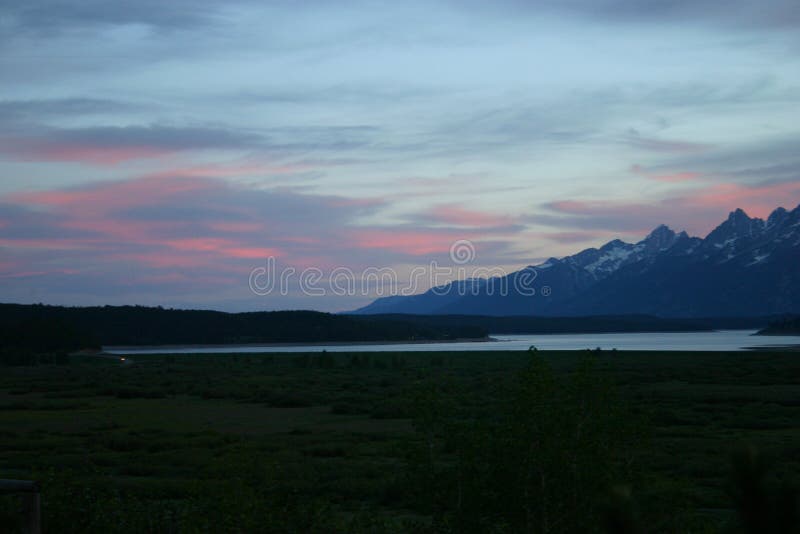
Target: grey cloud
x=341 y=94
x=178 y=138
x=54 y=143
x=326 y=138
x=630 y=218
x=288 y=212
x=40 y=109
x=24 y=223
x=637 y=140
x=769 y=160
x=53 y=15
x=584 y=116
x=771 y=174
x=744 y=13
x=767 y=14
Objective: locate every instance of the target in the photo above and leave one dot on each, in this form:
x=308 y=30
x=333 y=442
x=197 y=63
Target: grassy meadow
x=403 y=442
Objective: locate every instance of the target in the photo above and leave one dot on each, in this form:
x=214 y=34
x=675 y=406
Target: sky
x=174 y=153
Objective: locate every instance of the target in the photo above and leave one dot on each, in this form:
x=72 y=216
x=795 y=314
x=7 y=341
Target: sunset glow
x=361 y=137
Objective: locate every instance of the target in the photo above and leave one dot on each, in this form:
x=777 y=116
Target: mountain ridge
x=744 y=266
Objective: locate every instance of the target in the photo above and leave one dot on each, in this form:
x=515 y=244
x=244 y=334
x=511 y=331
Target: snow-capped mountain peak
x=745 y=265
x=662 y=238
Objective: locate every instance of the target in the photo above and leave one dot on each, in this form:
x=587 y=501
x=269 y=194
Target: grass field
x=332 y=442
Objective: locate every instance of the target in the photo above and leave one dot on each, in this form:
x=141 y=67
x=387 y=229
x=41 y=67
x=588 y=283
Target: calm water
x=722 y=340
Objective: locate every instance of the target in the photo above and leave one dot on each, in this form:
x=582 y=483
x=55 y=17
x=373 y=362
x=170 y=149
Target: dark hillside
x=137 y=325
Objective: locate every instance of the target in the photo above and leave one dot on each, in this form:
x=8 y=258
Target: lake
x=720 y=340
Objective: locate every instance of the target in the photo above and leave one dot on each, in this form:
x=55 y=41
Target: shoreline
x=780 y=348
x=773 y=333
x=487 y=339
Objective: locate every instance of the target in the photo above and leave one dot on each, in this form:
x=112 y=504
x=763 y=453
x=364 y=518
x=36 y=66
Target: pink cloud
x=252 y=252
x=228 y=170
x=108 y=196
x=415 y=243
x=111 y=145
x=236 y=227
x=456 y=215
x=758 y=201
x=98 y=218
x=698 y=212
x=161 y=259
x=198 y=231
x=210 y=224
x=37 y=149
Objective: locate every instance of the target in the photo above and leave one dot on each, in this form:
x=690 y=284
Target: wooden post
x=33 y=508
x=32 y=500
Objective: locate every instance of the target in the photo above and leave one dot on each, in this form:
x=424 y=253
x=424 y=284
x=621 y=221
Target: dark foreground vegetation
x=79 y=327
x=414 y=442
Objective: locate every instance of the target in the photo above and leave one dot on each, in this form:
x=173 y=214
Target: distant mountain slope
x=744 y=267
x=787 y=326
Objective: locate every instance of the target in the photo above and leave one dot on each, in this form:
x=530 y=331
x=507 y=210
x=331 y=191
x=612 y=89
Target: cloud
x=698 y=211
x=56 y=15
x=753 y=175
x=757 y=200
x=742 y=14
x=27 y=139
x=774 y=14
x=36 y=110
x=673 y=177
x=636 y=140
x=456 y=215
x=548 y=101
x=108 y=145
x=578 y=236
x=598 y=115
x=200 y=237
x=771 y=158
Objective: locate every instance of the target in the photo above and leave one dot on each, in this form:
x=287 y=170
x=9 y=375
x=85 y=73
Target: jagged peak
x=738 y=224
x=738 y=214
x=780 y=209
x=777 y=215
x=614 y=243
x=738 y=241
x=660 y=235
x=661 y=229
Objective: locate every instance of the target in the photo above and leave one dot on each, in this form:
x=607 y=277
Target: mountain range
x=745 y=267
